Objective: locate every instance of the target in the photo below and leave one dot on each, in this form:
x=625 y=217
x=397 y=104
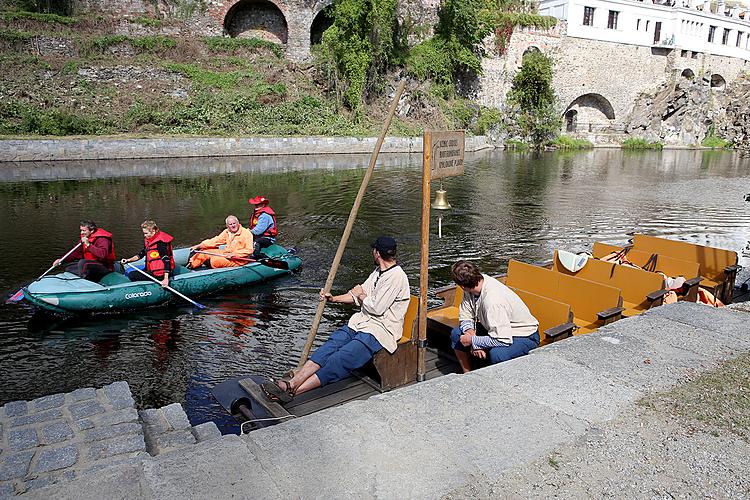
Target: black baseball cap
x=385 y=245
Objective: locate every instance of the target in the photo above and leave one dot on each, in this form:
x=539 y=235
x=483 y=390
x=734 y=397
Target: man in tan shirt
x=494 y=322
x=383 y=300
x=238 y=248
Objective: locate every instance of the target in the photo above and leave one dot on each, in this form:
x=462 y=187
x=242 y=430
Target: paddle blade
x=18 y=296
x=276 y=264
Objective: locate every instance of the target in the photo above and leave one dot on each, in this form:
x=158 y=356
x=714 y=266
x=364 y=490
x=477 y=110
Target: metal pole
x=348 y=228
x=425 y=254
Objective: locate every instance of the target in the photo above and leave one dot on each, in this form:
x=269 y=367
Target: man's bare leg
x=297 y=383
x=464 y=359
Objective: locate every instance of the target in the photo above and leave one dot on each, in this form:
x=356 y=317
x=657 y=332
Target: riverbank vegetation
x=80 y=75
x=640 y=143
x=568 y=142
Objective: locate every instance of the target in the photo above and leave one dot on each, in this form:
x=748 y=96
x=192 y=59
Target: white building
x=689 y=26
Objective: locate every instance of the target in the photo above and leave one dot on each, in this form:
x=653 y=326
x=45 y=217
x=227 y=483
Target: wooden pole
x=348 y=228
x=424 y=255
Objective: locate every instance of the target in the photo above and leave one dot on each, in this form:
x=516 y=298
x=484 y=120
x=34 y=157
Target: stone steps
x=61 y=437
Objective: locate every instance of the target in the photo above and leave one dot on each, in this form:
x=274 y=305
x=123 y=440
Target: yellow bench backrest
x=668 y=265
x=586 y=298
x=634 y=284
x=549 y=312
x=410 y=320
x=712 y=260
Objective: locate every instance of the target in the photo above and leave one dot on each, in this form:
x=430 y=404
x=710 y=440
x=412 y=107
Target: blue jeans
x=344 y=351
x=519 y=347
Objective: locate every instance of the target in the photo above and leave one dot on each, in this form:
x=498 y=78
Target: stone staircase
x=61 y=437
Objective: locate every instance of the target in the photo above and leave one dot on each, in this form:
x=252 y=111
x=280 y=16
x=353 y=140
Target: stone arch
x=321 y=22
x=718 y=82
x=257 y=19
x=532 y=49
x=687 y=73
x=592 y=108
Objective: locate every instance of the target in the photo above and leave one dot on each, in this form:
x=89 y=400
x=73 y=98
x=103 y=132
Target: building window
x=647 y=25
x=711 y=33
x=725 y=37
x=588 y=16
x=638 y=25
x=612 y=20
x=739 y=38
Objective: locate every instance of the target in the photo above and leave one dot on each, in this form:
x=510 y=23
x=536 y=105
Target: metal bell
x=441 y=200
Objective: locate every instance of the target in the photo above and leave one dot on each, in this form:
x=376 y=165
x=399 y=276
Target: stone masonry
x=61 y=437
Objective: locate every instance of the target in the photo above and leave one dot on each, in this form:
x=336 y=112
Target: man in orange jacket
x=95 y=258
x=238 y=249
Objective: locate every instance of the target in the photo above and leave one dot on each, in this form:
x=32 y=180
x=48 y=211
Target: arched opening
x=687 y=73
x=256 y=19
x=320 y=24
x=589 y=112
x=571 y=120
x=531 y=50
x=718 y=82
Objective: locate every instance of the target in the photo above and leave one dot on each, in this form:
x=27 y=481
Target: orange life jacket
x=109 y=260
x=272 y=231
x=154 y=262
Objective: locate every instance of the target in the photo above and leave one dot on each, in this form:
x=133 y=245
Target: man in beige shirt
x=383 y=300
x=493 y=321
x=238 y=247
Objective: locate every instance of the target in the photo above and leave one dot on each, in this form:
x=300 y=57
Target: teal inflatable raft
x=68 y=293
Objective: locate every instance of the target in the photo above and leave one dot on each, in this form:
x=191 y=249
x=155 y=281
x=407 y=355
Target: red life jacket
x=272 y=231
x=154 y=262
x=109 y=260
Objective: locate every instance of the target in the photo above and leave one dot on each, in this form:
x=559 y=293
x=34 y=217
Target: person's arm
x=498 y=320
x=214 y=242
x=100 y=248
x=264 y=222
x=485 y=342
x=135 y=257
x=346 y=298
x=77 y=254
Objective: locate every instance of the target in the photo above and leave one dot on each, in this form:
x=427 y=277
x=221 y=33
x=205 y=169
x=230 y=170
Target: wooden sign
x=447 y=158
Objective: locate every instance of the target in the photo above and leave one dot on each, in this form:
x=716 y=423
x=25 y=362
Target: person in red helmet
x=95 y=258
x=157 y=248
x=262 y=224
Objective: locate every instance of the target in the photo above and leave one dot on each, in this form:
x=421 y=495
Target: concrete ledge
x=111 y=149
x=427 y=440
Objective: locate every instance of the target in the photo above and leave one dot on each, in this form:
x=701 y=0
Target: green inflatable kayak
x=68 y=293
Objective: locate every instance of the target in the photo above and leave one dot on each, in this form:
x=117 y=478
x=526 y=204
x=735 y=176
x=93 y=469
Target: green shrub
x=514 y=144
x=640 y=143
x=60 y=123
x=13 y=36
x=105 y=41
x=207 y=77
x=716 y=142
x=488 y=118
x=38 y=16
x=232 y=45
x=567 y=142
x=156 y=43
x=148 y=22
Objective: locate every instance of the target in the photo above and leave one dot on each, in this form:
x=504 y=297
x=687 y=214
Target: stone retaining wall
x=110 y=149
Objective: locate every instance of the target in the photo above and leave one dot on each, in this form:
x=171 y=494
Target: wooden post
x=348 y=228
x=424 y=255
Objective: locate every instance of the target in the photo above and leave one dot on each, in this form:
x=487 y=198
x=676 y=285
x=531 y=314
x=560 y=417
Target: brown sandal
x=275 y=393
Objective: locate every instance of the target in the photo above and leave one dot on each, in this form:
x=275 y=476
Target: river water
x=506 y=205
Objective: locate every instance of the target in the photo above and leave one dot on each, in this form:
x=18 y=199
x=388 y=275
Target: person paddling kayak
x=95 y=258
x=239 y=247
x=157 y=248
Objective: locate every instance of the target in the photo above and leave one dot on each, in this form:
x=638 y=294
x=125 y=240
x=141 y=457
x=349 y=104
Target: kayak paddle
x=19 y=294
x=199 y=306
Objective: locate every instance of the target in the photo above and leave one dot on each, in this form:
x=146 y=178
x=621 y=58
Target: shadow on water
x=506 y=205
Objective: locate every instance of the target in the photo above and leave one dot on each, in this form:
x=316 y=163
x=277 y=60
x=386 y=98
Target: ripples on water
x=505 y=206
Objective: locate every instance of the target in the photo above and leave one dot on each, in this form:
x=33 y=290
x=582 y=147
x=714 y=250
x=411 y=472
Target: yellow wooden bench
x=400 y=368
x=593 y=304
x=555 y=318
x=670 y=266
x=640 y=289
x=718 y=267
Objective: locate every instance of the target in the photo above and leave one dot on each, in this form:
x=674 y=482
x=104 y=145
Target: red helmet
x=258 y=200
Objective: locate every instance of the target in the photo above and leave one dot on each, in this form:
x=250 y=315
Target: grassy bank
x=105 y=83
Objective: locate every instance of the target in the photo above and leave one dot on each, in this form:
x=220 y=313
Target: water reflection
x=507 y=205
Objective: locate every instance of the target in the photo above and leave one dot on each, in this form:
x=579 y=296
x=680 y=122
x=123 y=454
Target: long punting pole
x=424 y=255
x=348 y=228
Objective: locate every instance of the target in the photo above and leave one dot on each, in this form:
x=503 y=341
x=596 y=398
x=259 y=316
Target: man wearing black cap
x=383 y=299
